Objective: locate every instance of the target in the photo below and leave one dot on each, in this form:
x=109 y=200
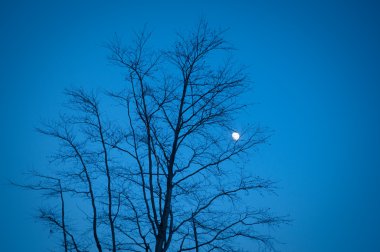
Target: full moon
x=235 y=136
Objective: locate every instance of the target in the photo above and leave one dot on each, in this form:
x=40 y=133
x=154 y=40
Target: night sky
x=315 y=67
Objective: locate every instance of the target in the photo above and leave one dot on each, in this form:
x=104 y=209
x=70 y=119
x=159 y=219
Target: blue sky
x=316 y=72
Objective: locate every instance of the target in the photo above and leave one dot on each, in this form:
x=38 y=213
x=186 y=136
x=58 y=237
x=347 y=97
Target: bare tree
x=160 y=174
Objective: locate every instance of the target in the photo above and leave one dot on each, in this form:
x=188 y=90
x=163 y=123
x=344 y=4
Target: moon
x=235 y=136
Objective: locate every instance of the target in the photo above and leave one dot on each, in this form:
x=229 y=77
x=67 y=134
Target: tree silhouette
x=159 y=172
